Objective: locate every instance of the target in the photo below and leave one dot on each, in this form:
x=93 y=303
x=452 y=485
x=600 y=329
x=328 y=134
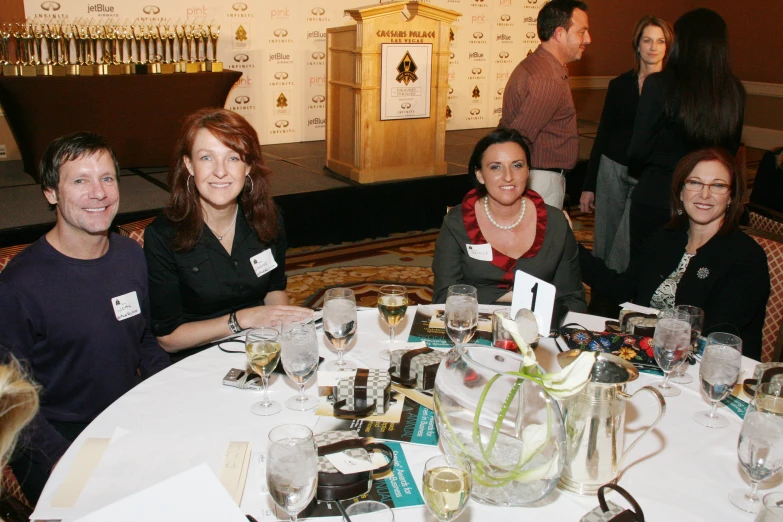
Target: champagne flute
x=446 y=486
x=300 y=360
x=760 y=451
x=392 y=305
x=262 y=346
x=292 y=467
x=671 y=343
x=719 y=371
x=461 y=315
x=339 y=323
x=696 y=316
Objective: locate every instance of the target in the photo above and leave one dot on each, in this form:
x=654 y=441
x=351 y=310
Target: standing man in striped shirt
x=537 y=100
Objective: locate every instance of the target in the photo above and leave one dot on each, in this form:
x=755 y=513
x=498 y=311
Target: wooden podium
x=361 y=142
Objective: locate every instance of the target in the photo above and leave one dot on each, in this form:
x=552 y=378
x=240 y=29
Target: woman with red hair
x=216 y=257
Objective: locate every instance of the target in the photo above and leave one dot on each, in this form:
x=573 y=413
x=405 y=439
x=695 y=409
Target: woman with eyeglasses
x=701 y=258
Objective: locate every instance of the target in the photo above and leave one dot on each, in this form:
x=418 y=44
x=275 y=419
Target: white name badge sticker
x=536 y=295
x=126 y=305
x=263 y=262
x=480 y=252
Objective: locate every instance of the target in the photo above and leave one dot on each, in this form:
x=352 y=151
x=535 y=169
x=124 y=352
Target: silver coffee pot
x=595 y=424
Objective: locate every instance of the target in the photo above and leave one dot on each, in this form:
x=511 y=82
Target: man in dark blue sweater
x=74 y=306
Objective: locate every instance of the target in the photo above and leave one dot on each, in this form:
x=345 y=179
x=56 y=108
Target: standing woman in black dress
x=695 y=102
x=608 y=185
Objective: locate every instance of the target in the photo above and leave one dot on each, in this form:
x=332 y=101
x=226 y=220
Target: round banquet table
x=185 y=416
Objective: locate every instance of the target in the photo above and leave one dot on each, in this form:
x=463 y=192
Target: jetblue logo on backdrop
x=100 y=8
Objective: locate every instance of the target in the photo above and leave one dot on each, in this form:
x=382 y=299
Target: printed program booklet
x=429 y=326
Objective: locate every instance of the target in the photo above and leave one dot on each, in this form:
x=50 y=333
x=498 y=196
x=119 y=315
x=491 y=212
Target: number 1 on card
x=536 y=295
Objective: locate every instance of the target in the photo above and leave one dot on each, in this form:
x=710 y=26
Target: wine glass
x=671 y=343
x=461 y=313
x=262 y=346
x=768 y=398
x=719 y=371
x=392 y=305
x=369 y=511
x=446 y=484
x=339 y=323
x=771 y=509
x=696 y=316
x=760 y=451
x=292 y=467
x=300 y=360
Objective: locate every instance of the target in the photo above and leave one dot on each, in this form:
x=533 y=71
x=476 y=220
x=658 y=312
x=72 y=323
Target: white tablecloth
x=184 y=416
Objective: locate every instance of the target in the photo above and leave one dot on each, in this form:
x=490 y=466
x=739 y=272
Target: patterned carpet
x=365 y=266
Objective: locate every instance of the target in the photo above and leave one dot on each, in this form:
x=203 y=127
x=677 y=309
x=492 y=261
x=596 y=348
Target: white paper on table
x=536 y=295
x=136 y=460
x=638 y=308
x=195 y=495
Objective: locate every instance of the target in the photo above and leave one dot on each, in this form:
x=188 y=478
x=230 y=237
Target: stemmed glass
x=292 y=467
x=671 y=343
x=696 y=318
x=760 y=450
x=719 y=371
x=392 y=305
x=339 y=323
x=461 y=315
x=300 y=360
x=262 y=346
x=446 y=486
x=768 y=398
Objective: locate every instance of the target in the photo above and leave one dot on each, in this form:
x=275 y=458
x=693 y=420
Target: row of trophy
x=59 y=47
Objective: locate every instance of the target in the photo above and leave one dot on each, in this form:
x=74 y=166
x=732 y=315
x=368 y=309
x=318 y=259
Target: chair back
x=764 y=218
x=772 y=332
x=8 y=253
x=135 y=229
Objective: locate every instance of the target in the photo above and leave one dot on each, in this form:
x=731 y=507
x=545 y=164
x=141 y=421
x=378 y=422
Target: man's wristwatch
x=233 y=323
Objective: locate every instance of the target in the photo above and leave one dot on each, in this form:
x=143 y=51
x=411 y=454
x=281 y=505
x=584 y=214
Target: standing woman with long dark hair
x=695 y=102
x=608 y=186
x=216 y=257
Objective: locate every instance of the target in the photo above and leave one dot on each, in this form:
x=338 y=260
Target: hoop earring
x=187 y=184
x=252 y=185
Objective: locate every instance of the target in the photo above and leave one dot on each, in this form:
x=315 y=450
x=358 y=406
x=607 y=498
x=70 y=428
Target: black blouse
x=727 y=278
x=207 y=282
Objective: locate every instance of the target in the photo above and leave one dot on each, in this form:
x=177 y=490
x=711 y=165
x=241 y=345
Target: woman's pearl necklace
x=505 y=227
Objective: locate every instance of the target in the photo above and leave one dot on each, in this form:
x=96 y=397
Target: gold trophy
x=167 y=35
x=191 y=66
x=214 y=33
x=54 y=43
x=85 y=44
x=110 y=49
x=70 y=34
x=153 y=58
x=41 y=37
x=97 y=40
x=127 y=36
x=8 y=68
x=200 y=35
x=138 y=36
x=27 y=67
x=182 y=64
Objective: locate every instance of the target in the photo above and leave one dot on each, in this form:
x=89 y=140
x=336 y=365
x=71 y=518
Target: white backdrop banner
x=280 y=47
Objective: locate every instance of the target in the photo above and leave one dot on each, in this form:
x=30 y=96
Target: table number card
x=536 y=295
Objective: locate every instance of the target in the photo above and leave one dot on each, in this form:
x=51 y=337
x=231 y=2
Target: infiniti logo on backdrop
x=505 y=18
x=318 y=55
x=240 y=6
x=281 y=75
x=281 y=124
x=475 y=112
x=242 y=100
x=241 y=58
x=151 y=9
x=318 y=11
x=280 y=33
x=319 y=98
x=478 y=35
x=50 y=6
x=475 y=70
